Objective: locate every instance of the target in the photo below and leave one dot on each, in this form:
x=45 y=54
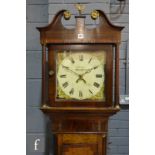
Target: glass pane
x=80 y=75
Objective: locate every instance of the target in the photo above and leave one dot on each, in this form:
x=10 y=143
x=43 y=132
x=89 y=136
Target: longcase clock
x=80 y=82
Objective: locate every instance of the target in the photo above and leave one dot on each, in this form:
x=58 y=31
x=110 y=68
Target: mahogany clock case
x=80 y=126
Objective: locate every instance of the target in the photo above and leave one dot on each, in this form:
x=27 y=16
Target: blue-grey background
x=40 y=13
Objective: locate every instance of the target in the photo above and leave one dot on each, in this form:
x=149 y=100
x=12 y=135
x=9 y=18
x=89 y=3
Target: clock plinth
x=78 y=91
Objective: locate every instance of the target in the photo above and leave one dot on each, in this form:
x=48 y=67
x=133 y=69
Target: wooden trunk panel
x=79 y=150
x=79 y=138
x=81 y=144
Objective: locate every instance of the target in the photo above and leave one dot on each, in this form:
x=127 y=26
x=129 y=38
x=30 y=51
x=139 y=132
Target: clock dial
x=80 y=76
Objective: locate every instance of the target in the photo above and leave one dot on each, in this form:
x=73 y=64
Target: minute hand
x=89 y=70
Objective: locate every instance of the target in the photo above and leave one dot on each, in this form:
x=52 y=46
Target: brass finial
x=67 y=15
x=117 y=107
x=80 y=8
x=94 y=14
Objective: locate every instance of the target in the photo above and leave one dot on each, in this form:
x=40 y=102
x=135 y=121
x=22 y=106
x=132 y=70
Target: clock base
x=81 y=132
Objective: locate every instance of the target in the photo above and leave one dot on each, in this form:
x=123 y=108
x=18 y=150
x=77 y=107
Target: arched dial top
x=80 y=76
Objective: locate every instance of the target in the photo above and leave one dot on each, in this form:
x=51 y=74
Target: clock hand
x=80 y=78
x=89 y=70
x=70 y=70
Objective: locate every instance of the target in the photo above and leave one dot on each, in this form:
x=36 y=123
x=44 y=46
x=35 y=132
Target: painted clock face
x=80 y=76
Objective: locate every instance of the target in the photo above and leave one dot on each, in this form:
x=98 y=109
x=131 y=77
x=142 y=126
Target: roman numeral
x=80 y=93
x=71 y=91
x=81 y=57
x=89 y=60
x=90 y=91
x=72 y=60
x=63 y=76
x=65 y=84
x=99 y=75
x=96 y=84
x=95 y=67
